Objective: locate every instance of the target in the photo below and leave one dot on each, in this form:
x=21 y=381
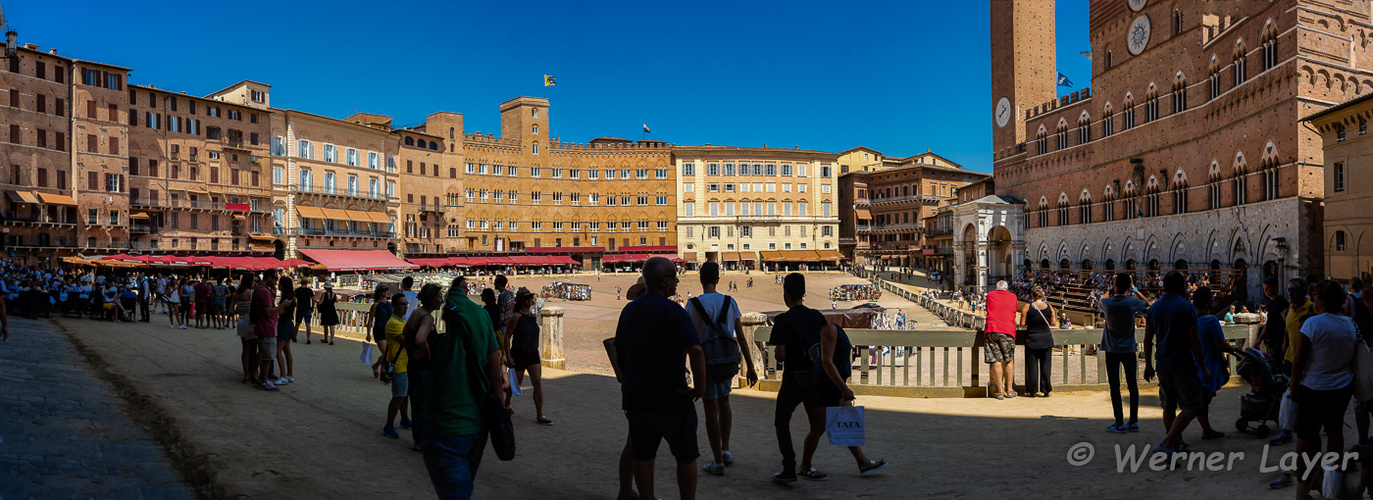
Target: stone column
x=981 y=266
x=551 y=338
x=751 y=322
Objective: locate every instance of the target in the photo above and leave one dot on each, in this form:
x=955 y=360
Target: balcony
x=432 y=207
x=179 y=203
x=337 y=191
x=311 y=231
x=939 y=231
x=142 y=228
x=923 y=198
x=40 y=218
x=847 y=241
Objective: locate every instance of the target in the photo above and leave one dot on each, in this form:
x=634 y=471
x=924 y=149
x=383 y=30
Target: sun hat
x=635 y=290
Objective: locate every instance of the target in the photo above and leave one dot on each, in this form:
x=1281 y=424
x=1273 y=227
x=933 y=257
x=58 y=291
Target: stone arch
x=1085 y=253
x=1043 y=251
x=1107 y=247
x=1152 y=184
x=1179 y=177
x=1151 y=249
x=1240 y=165
x=1214 y=172
x=1062 y=199
x=1178 y=250
x=1063 y=251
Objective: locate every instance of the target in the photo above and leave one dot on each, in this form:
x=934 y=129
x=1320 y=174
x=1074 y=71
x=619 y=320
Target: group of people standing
x=270 y=312
x=656 y=339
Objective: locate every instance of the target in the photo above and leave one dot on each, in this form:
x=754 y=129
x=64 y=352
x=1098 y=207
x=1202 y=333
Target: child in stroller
x=1266 y=386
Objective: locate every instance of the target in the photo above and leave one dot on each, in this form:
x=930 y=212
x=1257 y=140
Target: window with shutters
x=91 y=143
x=59 y=106
x=42 y=138
x=90 y=109
x=92 y=181
x=42 y=177
x=114 y=113
x=60 y=141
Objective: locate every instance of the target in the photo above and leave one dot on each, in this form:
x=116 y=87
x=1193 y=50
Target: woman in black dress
x=521 y=345
x=328 y=314
x=1039 y=343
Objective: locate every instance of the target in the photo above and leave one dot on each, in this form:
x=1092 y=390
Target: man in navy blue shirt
x=652 y=343
x=1173 y=320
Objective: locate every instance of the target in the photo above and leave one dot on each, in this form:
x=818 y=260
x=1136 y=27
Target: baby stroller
x=1266 y=386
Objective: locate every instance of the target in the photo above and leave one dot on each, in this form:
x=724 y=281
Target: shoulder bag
x=502 y=432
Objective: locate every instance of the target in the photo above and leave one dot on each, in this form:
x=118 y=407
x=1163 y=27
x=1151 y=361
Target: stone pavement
x=62 y=433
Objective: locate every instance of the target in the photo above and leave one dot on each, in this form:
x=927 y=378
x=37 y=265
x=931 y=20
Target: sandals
x=542 y=420
x=813 y=475
x=999 y=396
x=872 y=467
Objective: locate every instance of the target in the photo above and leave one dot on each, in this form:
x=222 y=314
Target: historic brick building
x=1348 y=187
x=1186 y=151
x=40 y=216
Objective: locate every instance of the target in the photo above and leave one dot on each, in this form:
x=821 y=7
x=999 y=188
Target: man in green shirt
x=457 y=435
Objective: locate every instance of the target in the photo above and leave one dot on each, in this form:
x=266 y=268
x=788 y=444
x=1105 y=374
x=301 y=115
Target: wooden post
x=551 y=338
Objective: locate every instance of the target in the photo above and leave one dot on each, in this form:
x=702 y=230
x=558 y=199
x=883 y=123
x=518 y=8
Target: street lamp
x=11 y=42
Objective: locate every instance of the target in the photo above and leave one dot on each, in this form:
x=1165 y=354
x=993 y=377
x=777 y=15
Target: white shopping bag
x=366 y=356
x=844 y=424
x=514 y=384
x=1287 y=413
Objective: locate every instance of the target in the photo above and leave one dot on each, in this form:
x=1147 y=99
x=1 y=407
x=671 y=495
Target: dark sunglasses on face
x=1295 y=291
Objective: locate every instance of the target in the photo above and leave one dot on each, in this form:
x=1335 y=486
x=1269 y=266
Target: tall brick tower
x=1024 y=72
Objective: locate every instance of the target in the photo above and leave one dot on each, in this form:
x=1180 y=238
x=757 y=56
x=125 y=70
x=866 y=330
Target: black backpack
x=843 y=351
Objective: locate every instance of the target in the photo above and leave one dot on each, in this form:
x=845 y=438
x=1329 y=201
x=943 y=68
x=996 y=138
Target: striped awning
x=22 y=196
x=56 y=199
x=310 y=212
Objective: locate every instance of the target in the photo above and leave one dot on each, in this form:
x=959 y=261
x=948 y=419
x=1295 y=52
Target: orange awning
x=310 y=212
x=240 y=217
x=689 y=256
x=379 y=217
x=771 y=255
x=335 y=214
x=138 y=215
x=56 y=199
x=22 y=196
x=261 y=237
x=863 y=213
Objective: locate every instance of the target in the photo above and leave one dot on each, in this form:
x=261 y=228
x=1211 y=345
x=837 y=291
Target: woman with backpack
x=521 y=346
x=808 y=344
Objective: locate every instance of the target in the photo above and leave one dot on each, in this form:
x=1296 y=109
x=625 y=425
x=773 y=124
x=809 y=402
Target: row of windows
x=193 y=172
x=421 y=143
x=514 y=225
x=58 y=142
x=571 y=173
x=329 y=152
x=746 y=231
x=753 y=209
x=39 y=177
x=559 y=197
x=40 y=70
x=1181 y=201
x=172 y=104
x=1151 y=108
x=756 y=169
x=40 y=105
x=745 y=187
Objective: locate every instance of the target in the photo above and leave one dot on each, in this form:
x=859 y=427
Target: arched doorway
x=1131 y=265
x=999 y=263
x=1180 y=265
x=1215 y=265
x=1063 y=264
x=1153 y=265
x=279 y=250
x=1087 y=264
x=1110 y=265
x=1044 y=264
x=1270 y=269
x=391 y=247
x=969 y=255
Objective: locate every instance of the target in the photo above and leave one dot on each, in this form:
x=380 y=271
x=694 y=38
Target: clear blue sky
x=898 y=77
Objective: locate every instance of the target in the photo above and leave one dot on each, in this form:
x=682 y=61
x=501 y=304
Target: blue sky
x=896 y=76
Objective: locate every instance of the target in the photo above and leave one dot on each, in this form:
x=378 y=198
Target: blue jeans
x=453 y=462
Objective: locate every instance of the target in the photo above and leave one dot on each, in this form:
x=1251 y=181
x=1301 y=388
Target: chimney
x=927 y=150
x=52 y=51
x=765 y=145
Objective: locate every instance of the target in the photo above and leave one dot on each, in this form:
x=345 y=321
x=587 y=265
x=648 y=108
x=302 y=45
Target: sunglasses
x=1295 y=291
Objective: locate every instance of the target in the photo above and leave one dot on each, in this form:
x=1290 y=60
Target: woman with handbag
x=328 y=313
x=1039 y=343
x=1322 y=377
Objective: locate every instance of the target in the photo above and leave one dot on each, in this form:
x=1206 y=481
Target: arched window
x=1151 y=206
x=1214 y=79
x=1339 y=241
x=1177 y=22
x=1129 y=112
x=1179 y=93
x=1062 y=134
x=536 y=145
x=1213 y=186
x=1108 y=60
x=1240 y=74
x=433 y=145
x=1063 y=209
x=1043 y=212
x=1041 y=140
x=1131 y=201
x=1241 y=181
x=1108 y=123
x=1151 y=105
x=1108 y=212
x=409 y=141
x=1084 y=208
x=535 y=129
x=1084 y=129
x=1270 y=46
x=1179 y=194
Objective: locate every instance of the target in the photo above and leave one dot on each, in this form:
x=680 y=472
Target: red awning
x=237 y=207
x=562 y=260
x=670 y=256
x=650 y=249
x=627 y=257
x=438 y=262
x=564 y=250
x=356 y=260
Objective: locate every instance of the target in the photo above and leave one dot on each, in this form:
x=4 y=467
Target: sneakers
x=267 y=386
x=784 y=477
x=183 y=327
x=714 y=468
x=281 y=381
x=390 y=431
x=405 y=423
x=1132 y=427
x=727 y=457
x=1282 y=438
x=290 y=380
x=1117 y=428
x=1160 y=448
x=1281 y=482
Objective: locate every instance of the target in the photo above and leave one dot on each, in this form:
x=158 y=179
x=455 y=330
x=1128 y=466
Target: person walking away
x=653 y=341
x=328 y=313
x=219 y=297
x=505 y=304
x=420 y=363
x=1173 y=321
x=1000 y=350
x=521 y=346
x=806 y=344
x=1039 y=343
x=716 y=319
x=174 y=304
x=265 y=311
x=410 y=297
x=243 y=301
x=202 y=304
x=286 y=334
x=305 y=309
x=493 y=310
x=377 y=317
x=1213 y=347
x=1322 y=379
x=456 y=435
x=1118 y=340
x=1274 y=332
x=144 y=294
x=397 y=359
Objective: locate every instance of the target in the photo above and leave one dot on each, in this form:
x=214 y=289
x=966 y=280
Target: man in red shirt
x=1000 y=349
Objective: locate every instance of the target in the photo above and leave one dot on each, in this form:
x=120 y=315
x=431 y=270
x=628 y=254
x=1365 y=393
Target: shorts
x=286 y=331
x=718 y=390
x=267 y=348
x=648 y=429
x=217 y=309
x=202 y=308
x=1000 y=348
x=1180 y=391
x=400 y=384
x=303 y=318
x=1317 y=410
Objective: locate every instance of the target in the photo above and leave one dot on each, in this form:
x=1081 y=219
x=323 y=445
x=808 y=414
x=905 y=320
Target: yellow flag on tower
x=548 y=81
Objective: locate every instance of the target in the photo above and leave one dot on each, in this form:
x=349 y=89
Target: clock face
x=1137 y=38
x=1003 y=112
x=1135 y=5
